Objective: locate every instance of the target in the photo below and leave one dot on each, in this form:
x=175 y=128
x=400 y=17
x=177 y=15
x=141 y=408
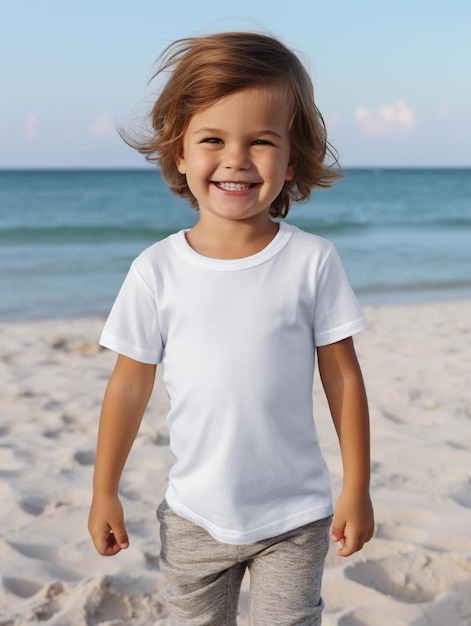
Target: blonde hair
x=203 y=70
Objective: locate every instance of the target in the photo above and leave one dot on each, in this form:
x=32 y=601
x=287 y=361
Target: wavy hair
x=202 y=71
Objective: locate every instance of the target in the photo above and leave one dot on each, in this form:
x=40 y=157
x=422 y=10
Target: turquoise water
x=68 y=237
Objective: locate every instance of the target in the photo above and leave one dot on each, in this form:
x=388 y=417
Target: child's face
x=236 y=154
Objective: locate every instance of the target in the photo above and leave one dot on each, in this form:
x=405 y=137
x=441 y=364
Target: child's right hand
x=106 y=525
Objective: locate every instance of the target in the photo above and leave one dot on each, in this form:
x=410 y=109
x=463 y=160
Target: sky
x=391 y=78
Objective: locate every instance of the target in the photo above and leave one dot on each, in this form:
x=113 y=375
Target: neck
x=231 y=239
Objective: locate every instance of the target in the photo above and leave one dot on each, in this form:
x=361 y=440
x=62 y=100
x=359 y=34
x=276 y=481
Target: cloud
x=31 y=127
x=103 y=126
x=387 y=119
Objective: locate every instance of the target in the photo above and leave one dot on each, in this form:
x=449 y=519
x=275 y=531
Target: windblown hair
x=203 y=70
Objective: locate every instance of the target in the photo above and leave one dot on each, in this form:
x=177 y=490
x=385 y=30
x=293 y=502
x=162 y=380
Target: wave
x=80 y=234
x=454 y=222
x=58 y=235
x=333 y=228
x=414 y=287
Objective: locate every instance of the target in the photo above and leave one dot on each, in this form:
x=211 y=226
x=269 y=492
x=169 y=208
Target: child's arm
x=342 y=380
x=125 y=401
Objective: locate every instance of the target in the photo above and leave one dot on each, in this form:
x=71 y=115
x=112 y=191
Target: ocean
x=67 y=237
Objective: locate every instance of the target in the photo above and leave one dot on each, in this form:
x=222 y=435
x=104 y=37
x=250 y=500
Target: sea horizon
x=68 y=235
x=152 y=168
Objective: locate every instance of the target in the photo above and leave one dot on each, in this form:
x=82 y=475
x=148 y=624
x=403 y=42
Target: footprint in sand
x=21 y=587
x=36 y=551
x=46 y=553
x=413 y=577
x=397 y=531
x=51 y=558
x=103 y=601
x=463 y=496
x=33 y=504
x=85 y=457
x=52 y=433
x=52 y=405
x=369 y=617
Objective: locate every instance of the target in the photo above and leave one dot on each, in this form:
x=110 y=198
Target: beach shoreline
x=415 y=572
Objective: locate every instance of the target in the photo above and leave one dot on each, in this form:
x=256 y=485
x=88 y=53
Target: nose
x=237 y=157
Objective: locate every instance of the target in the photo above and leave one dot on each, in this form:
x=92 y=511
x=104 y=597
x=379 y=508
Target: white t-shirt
x=237 y=339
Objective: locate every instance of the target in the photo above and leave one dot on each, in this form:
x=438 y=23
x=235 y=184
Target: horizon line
x=111 y=168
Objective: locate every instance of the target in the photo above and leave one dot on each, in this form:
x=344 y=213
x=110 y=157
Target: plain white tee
x=237 y=339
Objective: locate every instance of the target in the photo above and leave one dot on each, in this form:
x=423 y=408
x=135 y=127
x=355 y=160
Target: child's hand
x=353 y=523
x=106 y=525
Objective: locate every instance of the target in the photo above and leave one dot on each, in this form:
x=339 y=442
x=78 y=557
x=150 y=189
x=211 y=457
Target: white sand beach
x=416 y=360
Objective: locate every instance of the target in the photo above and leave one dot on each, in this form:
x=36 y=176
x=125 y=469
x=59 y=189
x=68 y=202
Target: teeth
x=235 y=186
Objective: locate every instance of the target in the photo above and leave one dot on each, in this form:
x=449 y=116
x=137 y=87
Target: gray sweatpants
x=204 y=575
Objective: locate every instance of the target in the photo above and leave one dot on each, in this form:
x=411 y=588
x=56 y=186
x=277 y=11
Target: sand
x=415 y=572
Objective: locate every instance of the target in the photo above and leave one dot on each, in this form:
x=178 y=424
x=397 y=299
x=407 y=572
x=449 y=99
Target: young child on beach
x=236 y=309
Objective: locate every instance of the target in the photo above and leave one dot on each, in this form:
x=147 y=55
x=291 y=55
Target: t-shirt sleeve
x=337 y=312
x=132 y=327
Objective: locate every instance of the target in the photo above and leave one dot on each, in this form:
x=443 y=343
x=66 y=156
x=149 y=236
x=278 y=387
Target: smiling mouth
x=234 y=186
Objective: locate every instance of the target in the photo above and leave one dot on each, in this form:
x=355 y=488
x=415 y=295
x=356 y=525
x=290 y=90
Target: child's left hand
x=353 y=523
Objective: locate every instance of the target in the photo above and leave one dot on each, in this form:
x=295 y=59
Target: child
x=236 y=309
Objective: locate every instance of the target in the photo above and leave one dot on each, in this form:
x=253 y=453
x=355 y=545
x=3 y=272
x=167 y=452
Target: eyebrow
x=217 y=131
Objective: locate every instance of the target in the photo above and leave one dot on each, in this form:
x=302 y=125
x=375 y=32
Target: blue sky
x=391 y=78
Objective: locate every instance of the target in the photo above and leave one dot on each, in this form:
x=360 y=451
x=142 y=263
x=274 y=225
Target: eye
x=215 y=140
x=262 y=142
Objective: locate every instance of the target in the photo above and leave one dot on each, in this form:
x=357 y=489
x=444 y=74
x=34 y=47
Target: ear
x=289 y=175
x=180 y=161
